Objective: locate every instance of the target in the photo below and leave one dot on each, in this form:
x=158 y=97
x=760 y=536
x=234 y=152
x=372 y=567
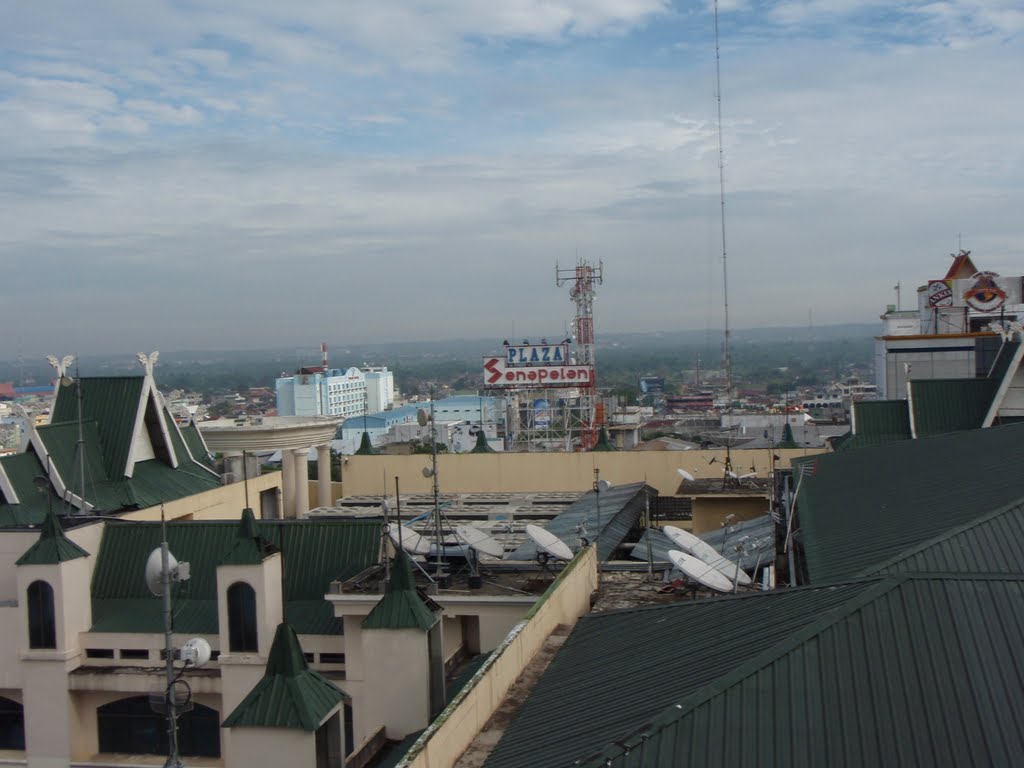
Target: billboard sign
x=499 y=375
x=984 y=293
x=541 y=413
x=940 y=293
x=536 y=354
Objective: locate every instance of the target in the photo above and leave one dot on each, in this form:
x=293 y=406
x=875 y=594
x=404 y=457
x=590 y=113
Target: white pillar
x=323 y=472
x=301 y=456
x=235 y=466
x=287 y=484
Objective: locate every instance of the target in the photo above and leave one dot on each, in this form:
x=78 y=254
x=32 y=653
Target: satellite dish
x=66 y=381
x=196 y=652
x=603 y=485
x=411 y=542
x=548 y=543
x=154 y=567
x=480 y=541
x=427 y=472
x=686 y=475
x=700 y=571
x=703 y=551
x=422 y=418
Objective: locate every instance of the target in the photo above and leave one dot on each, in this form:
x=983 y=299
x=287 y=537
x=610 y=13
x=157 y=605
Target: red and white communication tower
x=583 y=277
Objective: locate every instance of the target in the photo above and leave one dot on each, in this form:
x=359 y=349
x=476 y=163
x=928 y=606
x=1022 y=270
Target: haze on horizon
x=268 y=176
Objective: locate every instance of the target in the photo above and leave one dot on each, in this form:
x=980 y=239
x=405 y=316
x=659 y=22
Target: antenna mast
x=583 y=278
x=726 y=342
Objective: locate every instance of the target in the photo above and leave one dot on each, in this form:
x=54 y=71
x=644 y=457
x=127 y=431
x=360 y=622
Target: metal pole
x=172 y=711
x=437 y=506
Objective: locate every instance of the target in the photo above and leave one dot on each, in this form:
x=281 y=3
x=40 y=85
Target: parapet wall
x=454 y=729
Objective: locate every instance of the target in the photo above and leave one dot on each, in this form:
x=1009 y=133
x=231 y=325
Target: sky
x=247 y=173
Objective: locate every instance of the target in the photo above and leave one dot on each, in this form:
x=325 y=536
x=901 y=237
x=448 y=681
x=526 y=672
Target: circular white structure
x=294 y=436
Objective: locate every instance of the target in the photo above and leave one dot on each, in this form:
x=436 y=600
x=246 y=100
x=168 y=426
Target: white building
x=320 y=391
x=380 y=388
x=947 y=336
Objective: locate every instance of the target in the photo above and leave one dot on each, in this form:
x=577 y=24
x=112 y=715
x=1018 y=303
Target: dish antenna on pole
x=700 y=571
x=548 y=545
x=686 y=475
x=703 y=551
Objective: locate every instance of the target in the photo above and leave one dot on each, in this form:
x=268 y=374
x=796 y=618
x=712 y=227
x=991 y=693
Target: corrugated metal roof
x=113 y=403
x=290 y=694
x=992 y=543
x=760 y=528
x=316 y=552
x=618 y=670
x=949 y=405
x=21 y=469
x=878 y=422
x=52 y=546
x=607 y=519
x=401 y=606
x=859 y=509
x=916 y=671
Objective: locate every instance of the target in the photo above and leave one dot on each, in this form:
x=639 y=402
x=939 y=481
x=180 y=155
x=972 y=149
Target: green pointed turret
x=290 y=695
x=250 y=548
x=365 y=446
x=604 y=442
x=482 y=446
x=52 y=546
x=787 y=440
x=401 y=606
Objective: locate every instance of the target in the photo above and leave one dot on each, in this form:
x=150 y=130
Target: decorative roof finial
x=60 y=366
x=148 y=362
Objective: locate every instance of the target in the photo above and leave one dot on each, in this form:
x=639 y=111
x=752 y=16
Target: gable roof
x=401 y=607
x=328 y=550
x=961 y=267
x=939 y=406
x=913 y=671
x=290 y=694
x=611 y=688
x=858 y=509
x=21 y=503
x=876 y=422
x=52 y=546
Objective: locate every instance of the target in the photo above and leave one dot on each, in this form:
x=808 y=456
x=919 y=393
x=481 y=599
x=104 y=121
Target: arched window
x=12 y=724
x=242 y=633
x=42 y=624
x=130 y=726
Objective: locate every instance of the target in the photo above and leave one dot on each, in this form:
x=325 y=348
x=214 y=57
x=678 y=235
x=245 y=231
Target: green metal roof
x=21 y=469
x=113 y=403
x=250 y=548
x=859 y=509
x=604 y=442
x=619 y=669
x=914 y=671
x=401 y=607
x=787 y=440
x=52 y=546
x=949 y=405
x=365 y=446
x=315 y=554
x=290 y=694
x=879 y=422
x=482 y=446
x=196 y=445
x=991 y=543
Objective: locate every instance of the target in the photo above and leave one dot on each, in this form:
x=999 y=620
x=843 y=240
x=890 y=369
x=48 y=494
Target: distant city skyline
x=181 y=177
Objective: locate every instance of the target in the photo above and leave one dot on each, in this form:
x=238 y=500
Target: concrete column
x=234 y=461
x=323 y=472
x=287 y=484
x=301 y=458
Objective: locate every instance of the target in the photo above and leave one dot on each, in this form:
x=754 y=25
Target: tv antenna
x=726 y=342
x=163 y=571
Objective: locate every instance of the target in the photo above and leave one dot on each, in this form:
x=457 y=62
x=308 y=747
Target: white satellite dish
x=196 y=652
x=700 y=571
x=703 y=551
x=411 y=542
x=422 y=418
x=603 y=485
x=686 y=475
x=480 y=541
x=548 y=543
x=154 y=567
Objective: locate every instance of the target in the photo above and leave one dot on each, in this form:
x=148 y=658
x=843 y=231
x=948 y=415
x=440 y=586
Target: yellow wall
x=455 y=728
x=224 y=503
x=710 y=511
x=520 y=472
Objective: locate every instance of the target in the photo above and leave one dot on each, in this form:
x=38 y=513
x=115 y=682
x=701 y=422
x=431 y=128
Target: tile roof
x=612 y=684
x=326 y=550
x=290 y=694
x=401 y=607
x=859 y=509
x=914 y=671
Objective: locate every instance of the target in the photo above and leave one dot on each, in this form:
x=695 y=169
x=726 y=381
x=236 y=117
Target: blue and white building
x=322 y=392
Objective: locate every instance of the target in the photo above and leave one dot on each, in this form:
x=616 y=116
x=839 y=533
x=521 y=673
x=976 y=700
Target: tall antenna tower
x=583 y=277
x=726 y=341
